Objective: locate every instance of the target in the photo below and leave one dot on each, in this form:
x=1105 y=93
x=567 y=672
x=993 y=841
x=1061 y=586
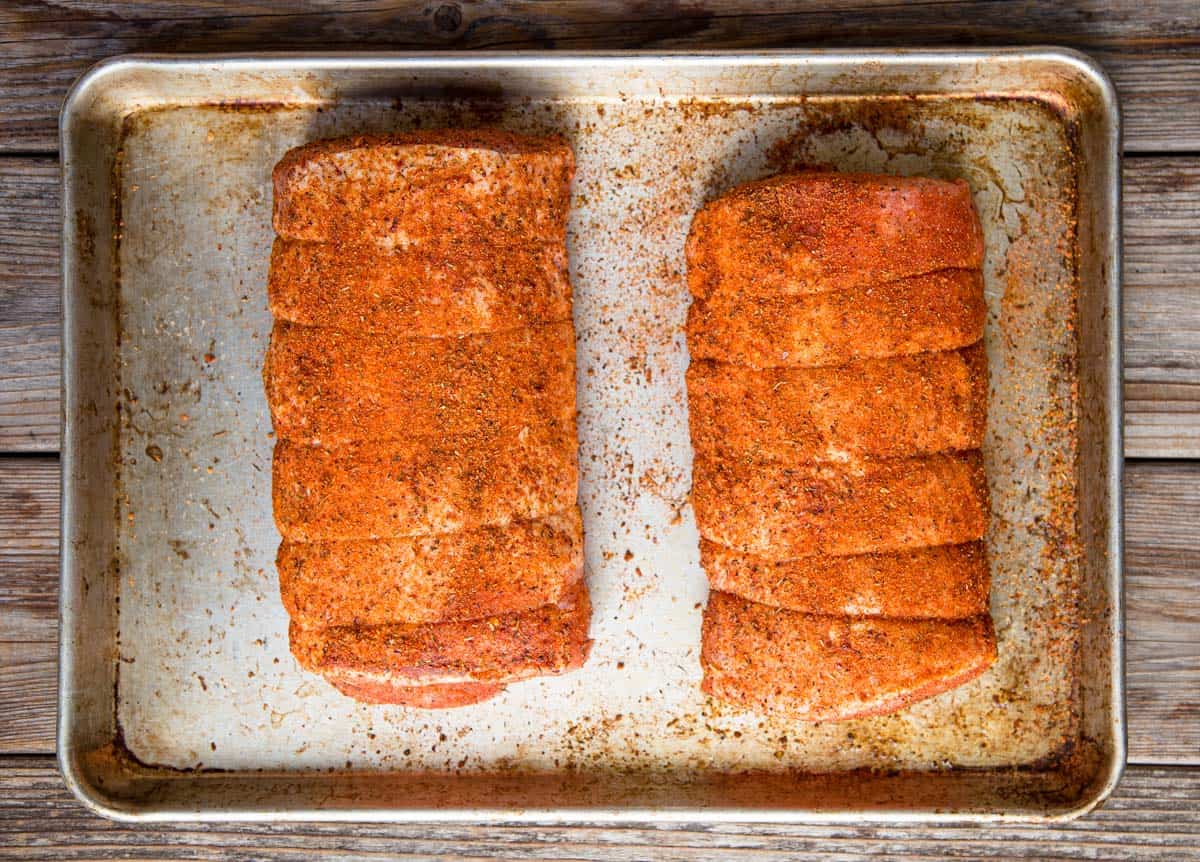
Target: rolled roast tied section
x=421 y=380
x=838 y=402
x=425 y=188
x=831 y=667
x=456 y=286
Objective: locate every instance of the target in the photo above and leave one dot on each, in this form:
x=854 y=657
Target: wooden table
x=1150 y=47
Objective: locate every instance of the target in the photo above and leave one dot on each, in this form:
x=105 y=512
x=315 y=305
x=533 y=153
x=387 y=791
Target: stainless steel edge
x=69 y=584
x=1107 y=98
x=1116 y=427
x=1106 y=94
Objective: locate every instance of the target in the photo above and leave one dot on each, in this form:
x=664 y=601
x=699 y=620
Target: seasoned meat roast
x=838 y=399
x=421 y=380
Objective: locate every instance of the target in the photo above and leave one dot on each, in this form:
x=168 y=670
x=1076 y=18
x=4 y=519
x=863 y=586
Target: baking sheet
x=204 y=678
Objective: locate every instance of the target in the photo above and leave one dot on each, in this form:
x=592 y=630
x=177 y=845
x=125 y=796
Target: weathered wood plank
x=28 y=508
x=1154 y=815
x=1150 y=47
x=1162 y=590
x=1158 y=95
x=30 y=232
x=29 y=386
x=1162 y=577
x=29 y=680
x=1163 y=694
x=28 y=602
x=1162 y=420
x=1162 y=306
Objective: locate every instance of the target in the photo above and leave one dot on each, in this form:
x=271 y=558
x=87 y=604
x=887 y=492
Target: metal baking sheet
x=179 y=698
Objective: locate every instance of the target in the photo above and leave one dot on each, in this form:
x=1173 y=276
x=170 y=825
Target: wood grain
x=30 y=233
x=1162 y=306
x=1158 y=94
x=1162 y=509
x=1162 y=607
x=1154 y=815
x=29 y=386
x=29 y=680
x=1150 y=48
x=29 y=496
x=1163 y=698
x=29 y=531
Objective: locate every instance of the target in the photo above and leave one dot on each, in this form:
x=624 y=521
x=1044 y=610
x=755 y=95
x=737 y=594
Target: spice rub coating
x=388 y=490
x=898 y=407
x=332 y=386
x=823 y=668
x=466 y=575
x=940 y=310
x=421 y=382
x=408 y=189
x=782 y=511
x=944 y=582
x=838 y=402
x=818 y=231
x=548 y=640
x=439 y=289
